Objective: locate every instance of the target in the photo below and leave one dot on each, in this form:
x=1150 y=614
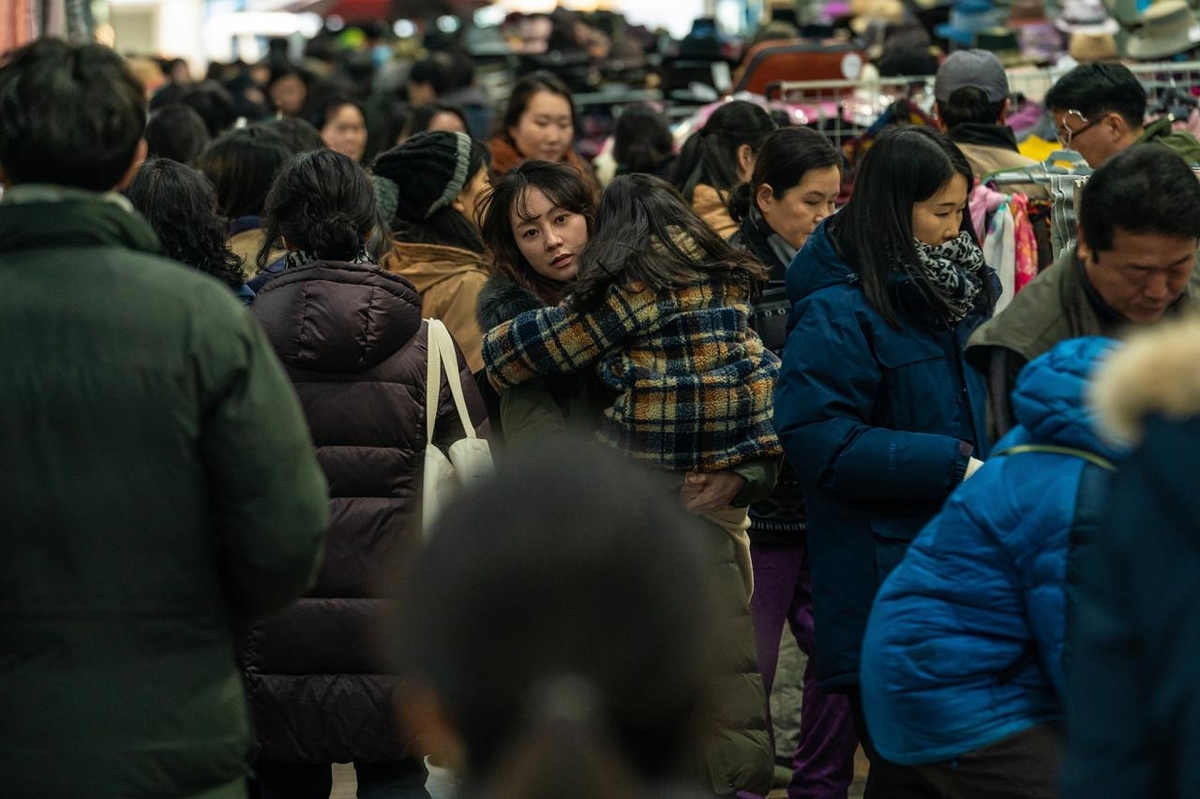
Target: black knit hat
x=430 y=170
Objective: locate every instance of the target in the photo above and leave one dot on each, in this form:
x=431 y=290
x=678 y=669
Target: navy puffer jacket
x=965 y=643
x=879 y=423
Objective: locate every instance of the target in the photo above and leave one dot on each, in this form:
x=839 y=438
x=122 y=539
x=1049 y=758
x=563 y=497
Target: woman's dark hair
x=784 y=159
x=642 y=140
x=563 y=186
x=213 y=103
x=325 y=107
x=422 y=116
x=606 y=685
x=709 y=156
x=524 y=89
x=181 y=205
x=176 y=132
x=290 y=71
x=969 y=104
x=242 y=164
x=646 y=232
x=446 y=225
x=298 y=136
x=321 y=203
x=873 y=232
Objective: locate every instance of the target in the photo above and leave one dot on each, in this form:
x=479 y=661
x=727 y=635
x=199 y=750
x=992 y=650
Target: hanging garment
x=1025 y=241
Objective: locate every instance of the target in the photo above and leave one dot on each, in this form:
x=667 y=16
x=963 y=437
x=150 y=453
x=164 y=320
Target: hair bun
x=336 y=237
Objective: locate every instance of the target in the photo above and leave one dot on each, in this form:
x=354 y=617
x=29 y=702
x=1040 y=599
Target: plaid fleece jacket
x=695 y=385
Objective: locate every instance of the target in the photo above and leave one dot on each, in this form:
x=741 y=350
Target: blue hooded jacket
x=879 y=424
x=965 y=643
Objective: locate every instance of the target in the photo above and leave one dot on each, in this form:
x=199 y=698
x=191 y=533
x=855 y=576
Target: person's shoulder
x=1035 y=315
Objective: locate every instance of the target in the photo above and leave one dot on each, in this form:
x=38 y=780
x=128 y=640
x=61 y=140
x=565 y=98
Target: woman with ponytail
x=352 y=340
x=565 y=644
x=719 y=157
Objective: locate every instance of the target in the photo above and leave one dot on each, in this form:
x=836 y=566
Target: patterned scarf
x=954 y=270
x=296 y=258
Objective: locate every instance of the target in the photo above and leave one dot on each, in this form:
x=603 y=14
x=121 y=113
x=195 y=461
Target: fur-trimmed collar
x=1156 y=373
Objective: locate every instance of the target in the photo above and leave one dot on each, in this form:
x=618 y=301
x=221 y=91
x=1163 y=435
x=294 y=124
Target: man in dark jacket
x=1133 y=266
x=160 y=490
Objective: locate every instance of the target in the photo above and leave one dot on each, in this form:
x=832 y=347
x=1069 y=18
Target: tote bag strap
x=441 y=354
x=1090 y=457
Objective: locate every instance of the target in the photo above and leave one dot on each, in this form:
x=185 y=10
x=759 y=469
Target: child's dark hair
x=322 y=203
x=642 y=140
x=176 y=132
x=181 y=205
x=242 y=164
x=784 y=159
x=562 y=184
x=72 y=115
x=647 y=233
x=874 y=233
x=608 y=689
x=710 y=155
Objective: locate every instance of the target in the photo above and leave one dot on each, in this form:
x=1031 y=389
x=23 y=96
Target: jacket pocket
x=892 y=536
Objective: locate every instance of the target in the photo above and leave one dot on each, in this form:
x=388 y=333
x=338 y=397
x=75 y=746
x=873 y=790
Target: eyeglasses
x=1065 y=139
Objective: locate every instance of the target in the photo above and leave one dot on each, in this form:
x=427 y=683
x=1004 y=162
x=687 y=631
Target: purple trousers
x=823 y=764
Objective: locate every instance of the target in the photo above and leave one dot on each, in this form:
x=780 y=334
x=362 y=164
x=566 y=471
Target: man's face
x=1143 y=274
x=1097 y=140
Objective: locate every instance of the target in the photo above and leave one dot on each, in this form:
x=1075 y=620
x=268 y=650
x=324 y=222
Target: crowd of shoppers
x=721 y=405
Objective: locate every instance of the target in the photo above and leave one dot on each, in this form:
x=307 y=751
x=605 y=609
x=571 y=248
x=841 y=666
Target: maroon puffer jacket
x=352 y=340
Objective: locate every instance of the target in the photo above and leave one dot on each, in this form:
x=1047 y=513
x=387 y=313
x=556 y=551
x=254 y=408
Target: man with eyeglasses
x=1139 y=227
x=1100 y=109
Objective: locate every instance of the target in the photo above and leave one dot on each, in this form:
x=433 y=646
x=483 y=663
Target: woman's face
x=467 y=201
x=938 y=219
x=289 y=95
x=795 y=214
x=545 y=130
x=345 y=132
x=550 y=238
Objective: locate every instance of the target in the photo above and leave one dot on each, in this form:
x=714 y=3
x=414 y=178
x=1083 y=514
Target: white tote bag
x=466 y=461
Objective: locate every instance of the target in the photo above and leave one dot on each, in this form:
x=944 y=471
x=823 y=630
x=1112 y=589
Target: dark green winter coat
x=159 y=490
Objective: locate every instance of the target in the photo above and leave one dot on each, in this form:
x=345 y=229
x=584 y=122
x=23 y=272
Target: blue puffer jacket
x=965 y=643
x=879 y=424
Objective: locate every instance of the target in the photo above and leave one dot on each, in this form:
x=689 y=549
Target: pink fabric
x=984 y=200
x=1027 y=252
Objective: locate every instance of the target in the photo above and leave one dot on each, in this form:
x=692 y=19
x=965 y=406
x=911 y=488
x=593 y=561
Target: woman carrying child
x=660 y=312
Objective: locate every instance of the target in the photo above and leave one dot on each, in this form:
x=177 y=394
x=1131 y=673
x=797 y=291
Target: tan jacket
x=985 y=160
x=449 y=280
x=246 y=244
x=710 y=205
